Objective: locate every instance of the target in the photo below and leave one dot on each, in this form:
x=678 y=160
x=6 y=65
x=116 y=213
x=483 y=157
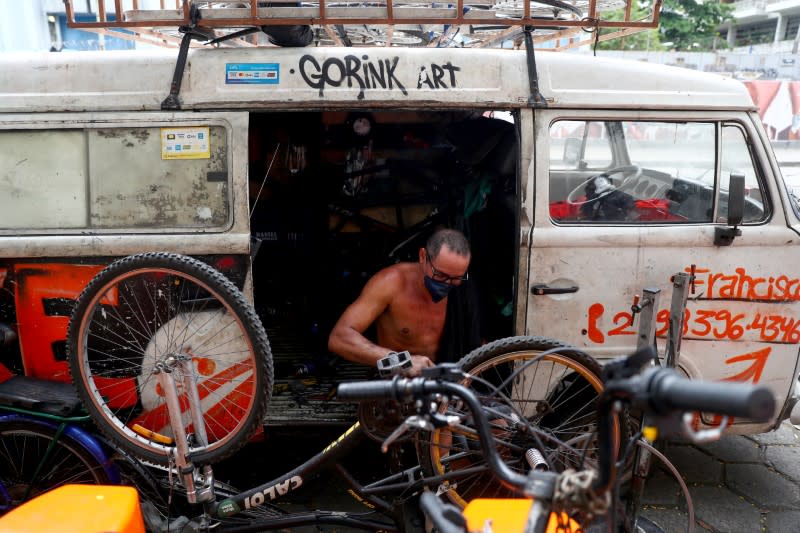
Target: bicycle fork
x=199 y=486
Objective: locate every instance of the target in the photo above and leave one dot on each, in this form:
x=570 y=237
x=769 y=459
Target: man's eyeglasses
x=441 y=276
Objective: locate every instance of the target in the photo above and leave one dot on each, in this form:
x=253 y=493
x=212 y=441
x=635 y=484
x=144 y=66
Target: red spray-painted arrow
x=752 y=372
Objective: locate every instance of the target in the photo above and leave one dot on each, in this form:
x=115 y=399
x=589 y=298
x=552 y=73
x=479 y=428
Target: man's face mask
x=438 y=289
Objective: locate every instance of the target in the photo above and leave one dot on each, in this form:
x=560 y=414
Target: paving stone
x=694 y=465
x=725 y=511
x=733 y=448
x=661 y=489
x=785 y=459
x=783 y=521
x=670 y=520
x=785 y=434
x=762 y=485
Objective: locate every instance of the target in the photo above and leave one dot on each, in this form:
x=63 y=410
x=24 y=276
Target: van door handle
x=542 y=288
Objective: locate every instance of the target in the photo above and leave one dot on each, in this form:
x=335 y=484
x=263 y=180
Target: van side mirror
x=572 y=151
x=725 y=236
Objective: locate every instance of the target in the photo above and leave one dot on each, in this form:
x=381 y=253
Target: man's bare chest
x=415 y=318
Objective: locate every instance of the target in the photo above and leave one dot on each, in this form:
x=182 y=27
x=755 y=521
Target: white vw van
x=300 y=172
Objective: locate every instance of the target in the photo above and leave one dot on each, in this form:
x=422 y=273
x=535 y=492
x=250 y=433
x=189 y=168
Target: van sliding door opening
x=337 y=196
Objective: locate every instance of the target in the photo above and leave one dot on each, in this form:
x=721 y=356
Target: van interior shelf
x=556 y=24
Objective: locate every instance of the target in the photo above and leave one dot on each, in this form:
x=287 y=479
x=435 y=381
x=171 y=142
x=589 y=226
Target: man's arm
x=347 y=337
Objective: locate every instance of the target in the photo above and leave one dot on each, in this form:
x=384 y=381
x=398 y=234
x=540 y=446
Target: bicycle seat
x=48 y=397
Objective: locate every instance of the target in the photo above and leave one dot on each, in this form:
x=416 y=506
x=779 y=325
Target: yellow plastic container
x=78 y=509
x=508 y=515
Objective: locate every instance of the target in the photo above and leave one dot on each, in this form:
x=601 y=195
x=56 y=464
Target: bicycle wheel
x=555 y=392
x=34 y=461
x=145 y=310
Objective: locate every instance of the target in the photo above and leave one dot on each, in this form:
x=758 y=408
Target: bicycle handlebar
x=369 y=390
x=658 y=391
x=664 y=390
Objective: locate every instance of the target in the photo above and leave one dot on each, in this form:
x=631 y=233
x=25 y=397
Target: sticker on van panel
x=185 y=143
x=252 y=73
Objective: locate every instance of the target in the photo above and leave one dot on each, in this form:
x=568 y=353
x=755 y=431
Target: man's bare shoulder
x=395 y=275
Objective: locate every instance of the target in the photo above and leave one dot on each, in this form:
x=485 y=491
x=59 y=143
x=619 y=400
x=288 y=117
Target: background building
x=40 y=25
x=764 y=26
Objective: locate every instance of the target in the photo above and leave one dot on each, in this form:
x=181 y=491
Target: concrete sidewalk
x=738 y=484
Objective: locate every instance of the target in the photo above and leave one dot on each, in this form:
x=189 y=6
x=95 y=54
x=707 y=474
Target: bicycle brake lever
x=703 y=435
x=438 y=420
x=680 y=424
x=412 y=422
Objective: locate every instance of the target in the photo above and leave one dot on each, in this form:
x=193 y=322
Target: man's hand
x=418 y=362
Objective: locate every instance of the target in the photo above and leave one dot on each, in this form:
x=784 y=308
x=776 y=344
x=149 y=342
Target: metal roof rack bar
x=546 y=14
x=505 y=19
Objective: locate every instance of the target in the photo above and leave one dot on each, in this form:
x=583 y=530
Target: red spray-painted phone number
x=717 y=324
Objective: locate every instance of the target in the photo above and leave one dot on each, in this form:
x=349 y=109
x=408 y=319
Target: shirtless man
x=407 y=302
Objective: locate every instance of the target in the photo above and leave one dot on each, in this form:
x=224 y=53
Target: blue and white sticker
x=252 y=73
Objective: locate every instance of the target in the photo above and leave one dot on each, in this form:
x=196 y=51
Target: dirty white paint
x=330 y=76
x=204 y=213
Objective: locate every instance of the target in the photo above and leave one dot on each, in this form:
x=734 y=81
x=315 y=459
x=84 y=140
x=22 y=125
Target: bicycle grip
x=669 y=390
x=367 y=390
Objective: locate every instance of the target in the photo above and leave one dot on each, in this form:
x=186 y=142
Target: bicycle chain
x=574 y=493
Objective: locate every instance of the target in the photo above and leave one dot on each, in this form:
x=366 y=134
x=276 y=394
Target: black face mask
x=438 y=289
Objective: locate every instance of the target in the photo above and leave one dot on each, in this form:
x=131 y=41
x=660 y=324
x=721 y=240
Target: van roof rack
x=460 y=23
x=465 y=23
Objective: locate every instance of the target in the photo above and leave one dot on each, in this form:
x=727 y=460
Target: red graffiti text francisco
x=743 y=286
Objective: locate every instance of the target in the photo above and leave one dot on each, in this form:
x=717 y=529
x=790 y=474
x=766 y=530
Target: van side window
x=569 y=138
x=658 y=172
x=112 y=178
x=737 y=159
x=43 y=180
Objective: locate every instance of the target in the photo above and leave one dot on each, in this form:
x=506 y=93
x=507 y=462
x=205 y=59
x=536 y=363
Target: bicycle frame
x=200 y=485
x=408 y=481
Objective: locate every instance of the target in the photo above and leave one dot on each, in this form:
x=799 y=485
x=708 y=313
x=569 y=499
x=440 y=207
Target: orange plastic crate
x=78 y=509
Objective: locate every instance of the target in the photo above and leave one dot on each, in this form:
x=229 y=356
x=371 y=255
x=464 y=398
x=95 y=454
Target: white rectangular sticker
x=263 y=73
x=185 y=143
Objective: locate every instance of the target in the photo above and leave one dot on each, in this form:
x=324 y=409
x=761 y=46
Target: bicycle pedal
x=394 y=364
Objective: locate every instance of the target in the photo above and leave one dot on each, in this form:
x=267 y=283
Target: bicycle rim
x=27 y=469
x=555 y=393
x=144 y=309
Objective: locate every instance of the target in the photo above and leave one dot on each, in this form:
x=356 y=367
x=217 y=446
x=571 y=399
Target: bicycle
x=46 y=442
x=173 y=366
x=660 y=392
x=555 y=499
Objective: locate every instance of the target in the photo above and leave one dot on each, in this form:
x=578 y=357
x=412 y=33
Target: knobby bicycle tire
x=555 y=393
x=27 y=469
x=145 y=308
